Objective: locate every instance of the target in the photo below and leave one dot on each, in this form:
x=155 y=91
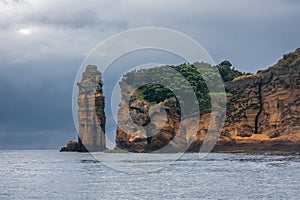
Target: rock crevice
x=263 y=114
x=260 y=104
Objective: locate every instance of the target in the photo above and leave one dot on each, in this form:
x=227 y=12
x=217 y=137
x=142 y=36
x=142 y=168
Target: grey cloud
x=37 y=70
x=11 y=2
x=78 y=19
x=35 y=140
x=32 y=110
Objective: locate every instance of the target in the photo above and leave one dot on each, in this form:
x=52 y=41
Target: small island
x=263 y=111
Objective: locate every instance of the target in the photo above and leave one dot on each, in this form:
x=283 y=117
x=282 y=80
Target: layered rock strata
x=91 y=115
x=146 y=128
x=263 y=114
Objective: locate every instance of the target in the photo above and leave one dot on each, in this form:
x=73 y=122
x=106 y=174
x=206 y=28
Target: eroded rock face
x=145 y=128
x=91 y=116
x=263 y=113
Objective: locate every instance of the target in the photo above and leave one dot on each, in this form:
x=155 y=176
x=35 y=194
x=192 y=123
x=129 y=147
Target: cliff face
x=91 y=116
x=145 y=128
x=263 y=113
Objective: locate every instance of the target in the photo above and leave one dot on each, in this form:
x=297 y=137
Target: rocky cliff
x=91 y=116
x=146 y=128
x=264 y=110
x=263 y=114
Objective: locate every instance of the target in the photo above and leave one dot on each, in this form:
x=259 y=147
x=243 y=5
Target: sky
x=44 y=42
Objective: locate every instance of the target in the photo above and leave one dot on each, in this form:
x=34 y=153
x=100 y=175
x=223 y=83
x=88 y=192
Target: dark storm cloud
x=44 y=42
x=34 y=112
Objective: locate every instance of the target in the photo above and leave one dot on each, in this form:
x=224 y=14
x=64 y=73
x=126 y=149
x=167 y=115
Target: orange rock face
x=91 y=116
x=91 y=136
x=263 y=114
x=145 y=128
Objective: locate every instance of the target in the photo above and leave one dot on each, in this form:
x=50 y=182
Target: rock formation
x=263 y=114
x=91 y=116
x=146 y=128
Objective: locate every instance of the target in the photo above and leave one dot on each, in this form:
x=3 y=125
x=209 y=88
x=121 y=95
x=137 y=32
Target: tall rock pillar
x=91 y=115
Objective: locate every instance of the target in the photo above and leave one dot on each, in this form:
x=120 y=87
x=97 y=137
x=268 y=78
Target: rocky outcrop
x=91 y=116
x=263 y=114
x=146 y=128
x=71 y=146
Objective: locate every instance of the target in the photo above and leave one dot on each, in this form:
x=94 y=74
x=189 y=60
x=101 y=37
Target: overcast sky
x=44 y=42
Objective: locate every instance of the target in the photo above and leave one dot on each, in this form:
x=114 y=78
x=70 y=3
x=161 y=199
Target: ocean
x=68 y=175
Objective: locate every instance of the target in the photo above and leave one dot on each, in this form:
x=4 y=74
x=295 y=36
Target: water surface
x=55 y=175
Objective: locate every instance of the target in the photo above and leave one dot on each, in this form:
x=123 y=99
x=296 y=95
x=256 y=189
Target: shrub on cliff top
x=193 y=73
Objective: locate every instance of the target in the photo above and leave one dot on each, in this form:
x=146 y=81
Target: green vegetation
x=228 y=72
x=182 y=82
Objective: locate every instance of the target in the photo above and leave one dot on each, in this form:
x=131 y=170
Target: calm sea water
x=55 y=175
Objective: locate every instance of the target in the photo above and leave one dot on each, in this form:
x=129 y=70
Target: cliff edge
x=263 y=114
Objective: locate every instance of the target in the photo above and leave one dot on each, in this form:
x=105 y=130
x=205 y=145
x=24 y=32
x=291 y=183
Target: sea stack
x=91 y=115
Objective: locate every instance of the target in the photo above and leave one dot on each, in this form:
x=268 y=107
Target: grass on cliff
x=181 y=82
